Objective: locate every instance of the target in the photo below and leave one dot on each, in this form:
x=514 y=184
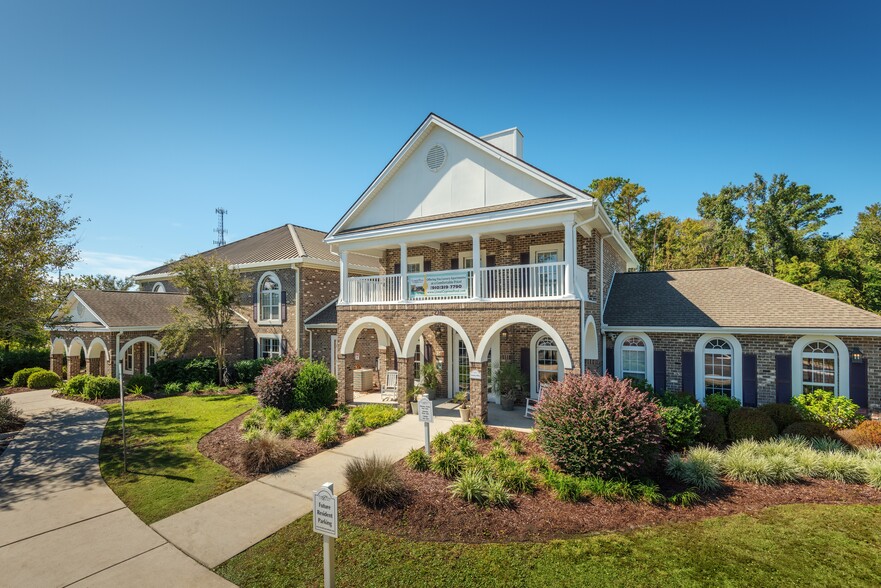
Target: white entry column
x=344 y=277
x=404 y=286
x=569 y=255
x=475 y=252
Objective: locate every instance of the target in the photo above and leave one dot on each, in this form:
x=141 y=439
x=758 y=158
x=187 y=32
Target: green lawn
x=795 y=545
x=167 y=474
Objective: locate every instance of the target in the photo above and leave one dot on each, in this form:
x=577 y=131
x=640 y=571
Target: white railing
x=374 y=289
x=582 y=284
x=511 y=282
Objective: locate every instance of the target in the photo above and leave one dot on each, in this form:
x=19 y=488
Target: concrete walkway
x=216 y=530
x=60 y=525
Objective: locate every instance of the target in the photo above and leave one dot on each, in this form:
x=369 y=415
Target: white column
x=344 y=277
x=569 y=255
x=475 y=252
x=404 y=293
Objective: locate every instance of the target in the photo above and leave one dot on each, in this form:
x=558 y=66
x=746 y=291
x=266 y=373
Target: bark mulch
x=11 y=390
x=431 y=513
x=225 y=445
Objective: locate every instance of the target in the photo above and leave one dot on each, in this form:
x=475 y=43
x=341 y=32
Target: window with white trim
x=633 y=359
x=415 y=263
x=547 y=360
x=270 y=347
x=819 y=362
x=128 y=361
x=151 y=355
x=718 y=370
x=270 y=298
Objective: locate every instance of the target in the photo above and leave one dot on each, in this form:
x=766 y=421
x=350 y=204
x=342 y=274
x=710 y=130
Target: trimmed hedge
x=315 y=388
x=44 y=379
x=809 y=430
x=18 y=359
x=101 y=387
x=247 y=370
x=76 y=385
x=275 y=386
x=721 y=404
x=869 y=433
x=20 y=378
x=681 y=425
x=750 y=423
x=197 y=369
x=713 y=429
x=783 y=415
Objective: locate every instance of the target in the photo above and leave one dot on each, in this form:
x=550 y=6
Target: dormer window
x=159 y=287
x=269 y=298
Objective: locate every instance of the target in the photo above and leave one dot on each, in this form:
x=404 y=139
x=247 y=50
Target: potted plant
x=430 y=380
x=413 y=395
x=464 y=407
x=510 y=382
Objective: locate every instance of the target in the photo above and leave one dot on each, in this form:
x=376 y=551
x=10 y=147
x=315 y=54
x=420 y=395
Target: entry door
x=460 y=366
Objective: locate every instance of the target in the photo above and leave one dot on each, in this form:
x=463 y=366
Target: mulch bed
x=225 y=444
x=17 y=390
x=431 y=513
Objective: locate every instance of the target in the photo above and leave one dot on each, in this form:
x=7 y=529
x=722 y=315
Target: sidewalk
x=216 y=530
x=60 y=524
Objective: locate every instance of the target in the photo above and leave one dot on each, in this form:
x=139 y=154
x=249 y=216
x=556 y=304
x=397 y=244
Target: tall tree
x=36 y=238
x=214 y=290
x=94 y=282
x=622 y=200
x=731 y=243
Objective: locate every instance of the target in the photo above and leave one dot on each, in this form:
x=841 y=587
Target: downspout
x=311 y=355
x=297 y=277
x=596 y=213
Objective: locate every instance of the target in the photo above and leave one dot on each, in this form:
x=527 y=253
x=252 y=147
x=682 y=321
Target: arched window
x=633 y=359
x=547 y=361
x=718 y=367
x=270 y=298
x=159 y=287
x=819 y=367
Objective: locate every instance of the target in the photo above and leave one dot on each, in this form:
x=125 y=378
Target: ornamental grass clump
x=842 y=466
x=447 y=463
x=264 y=452
x=593 y=425
x=471 y=486
x=417 y=460
x=375 y=482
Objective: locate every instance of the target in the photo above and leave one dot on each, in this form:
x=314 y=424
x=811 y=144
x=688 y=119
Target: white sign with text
x=324 y=511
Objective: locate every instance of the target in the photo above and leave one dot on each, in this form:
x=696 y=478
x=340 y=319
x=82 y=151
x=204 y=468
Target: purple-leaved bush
x=275 y=385
x=597 y=425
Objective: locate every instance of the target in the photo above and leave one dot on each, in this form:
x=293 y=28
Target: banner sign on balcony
x=439 y=285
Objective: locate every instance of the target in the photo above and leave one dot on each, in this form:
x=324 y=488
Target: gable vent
x=436 y=157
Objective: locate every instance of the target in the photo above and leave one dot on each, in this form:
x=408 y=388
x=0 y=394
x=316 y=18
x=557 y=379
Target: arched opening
x=138 y=354
x=159 y=287
x=591 y=345
x=441 y=342
x=369 y=349
x=76 y=357
x=58 y=358
x=97 y=358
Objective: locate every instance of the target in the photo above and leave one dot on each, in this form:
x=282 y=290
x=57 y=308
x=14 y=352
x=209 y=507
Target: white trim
x=746 y=330
x=260 y=320
x=842 y=364
x=649 y=356
x=550 y=247
x=317 y=312
x=591 y=352
x=103 y=345
x=416 y=259
x=384 y=334
x=142 y=339
x=158 y=287
x=125 y=356
x=271 y=264
x=513 y=319
x=736 y=365
x=265 y=337
x=334 y=340
x=533 y=363
x=74 y=341
x=63 y=346
x=463 y=255
x=416 y=331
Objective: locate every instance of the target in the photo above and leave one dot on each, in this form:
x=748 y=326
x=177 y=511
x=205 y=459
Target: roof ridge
x=689 y=269
x=297 y=243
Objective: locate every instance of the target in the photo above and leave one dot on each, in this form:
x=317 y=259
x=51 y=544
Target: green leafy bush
x=355 y=426
x=750 y=423
x=375 y=482
x=10 y=416
x=418 y=460
x=377 y=415
x=246 y=371
x=193 y=387
x=808 y=430
x=783 y=415
x=598 y=425
x=172 y=388
x=680 y=399
x=713 y=430
x=265 y=452
x=721 y=403
x=14 y=360
x=198 y=369
x=681 y=425
x=43 y=379
x=822 y=406
x=101 y=387
x=76 y=385
x=315 y=386
x=326 y=434
x=20 y=378
x=563 y=486
x=145 y=381
x=447 y=463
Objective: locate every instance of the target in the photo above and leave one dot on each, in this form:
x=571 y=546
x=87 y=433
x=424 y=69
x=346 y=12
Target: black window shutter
x=454 y=263
x=783 y=378
x=397 y=268
x=610 y=361
x=254 y=305
x=426 y=265
x=688 y=372
x=284 y=346
x=524 y=258
x=660 y=384
x=859 y=383
x=490 y=261
x=284 y=306
x=428 y=353
x=750 y=381
x=524 y=362
x=256 y=350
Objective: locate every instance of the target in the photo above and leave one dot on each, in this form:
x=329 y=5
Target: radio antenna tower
x=221 y=232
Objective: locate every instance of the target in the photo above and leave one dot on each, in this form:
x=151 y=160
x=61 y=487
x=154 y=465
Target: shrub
x=315 y=386
x=377 y=415
x=783 y=415
x=822 y=406
x=713 y=430
x=247 y=370
x=418 y=460
x=43 y=379
x=563 y=486
x=76 y=385
x=14 y=360
x=355 y=426
x=172 y=388
x=10 y=416
x=193 y=387
x=145 y=381
x=681 y=425
x=101 y=387
x=842 y=466
x=497 y=494
x=868 y=433
x=750 y=423
x=598 y=425
x=374 y=481
x=680 y=399
x=265 y=452
x=471 y=486
x=447 y=463
x=275 y=386
x=808 y=430
x=326 y=434
x=197 y=369
x=20 y=378
x=721 y=403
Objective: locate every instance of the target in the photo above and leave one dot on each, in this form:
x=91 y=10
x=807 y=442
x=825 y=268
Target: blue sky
x=151 y=114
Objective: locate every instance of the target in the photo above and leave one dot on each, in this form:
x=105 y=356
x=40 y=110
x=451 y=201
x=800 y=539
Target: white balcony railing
x=515 y=282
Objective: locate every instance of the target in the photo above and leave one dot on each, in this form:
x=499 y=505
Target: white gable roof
x=474 y=174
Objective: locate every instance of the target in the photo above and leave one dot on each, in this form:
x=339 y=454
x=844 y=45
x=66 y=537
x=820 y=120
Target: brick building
x=487 y=259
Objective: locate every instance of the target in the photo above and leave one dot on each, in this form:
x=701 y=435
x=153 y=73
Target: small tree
x=213 y=292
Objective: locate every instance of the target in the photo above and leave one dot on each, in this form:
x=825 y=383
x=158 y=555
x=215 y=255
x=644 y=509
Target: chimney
x=510 y=140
